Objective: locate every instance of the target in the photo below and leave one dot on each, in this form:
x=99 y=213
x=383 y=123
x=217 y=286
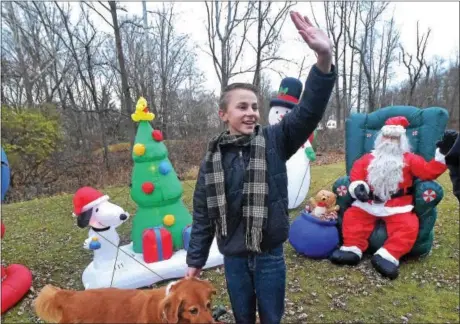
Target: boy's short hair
x=223 y=100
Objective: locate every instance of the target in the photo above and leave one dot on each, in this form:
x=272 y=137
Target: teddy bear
x=323 y=205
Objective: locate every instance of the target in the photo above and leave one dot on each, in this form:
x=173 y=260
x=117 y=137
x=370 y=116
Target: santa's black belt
x=399 y=193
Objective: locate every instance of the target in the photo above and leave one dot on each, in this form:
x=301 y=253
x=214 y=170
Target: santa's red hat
x=86 y=198
x=395 y=126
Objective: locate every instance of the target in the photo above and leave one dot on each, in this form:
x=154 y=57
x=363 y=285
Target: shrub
x=29 y=137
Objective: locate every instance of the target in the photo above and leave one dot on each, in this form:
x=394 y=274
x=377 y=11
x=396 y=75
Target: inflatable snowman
x=298 y=166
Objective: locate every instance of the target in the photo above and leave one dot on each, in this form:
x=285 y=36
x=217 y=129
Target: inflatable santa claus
x=381 y=184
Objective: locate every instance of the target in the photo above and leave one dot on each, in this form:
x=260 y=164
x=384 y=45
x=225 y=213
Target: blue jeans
x=257 y=279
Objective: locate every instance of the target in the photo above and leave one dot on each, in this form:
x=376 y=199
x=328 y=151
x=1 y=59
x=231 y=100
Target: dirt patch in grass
x=324 y=158
x=42 y=235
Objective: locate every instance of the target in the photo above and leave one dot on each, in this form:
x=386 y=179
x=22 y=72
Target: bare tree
x=392 y=38
x=128 y=103
x=86 y=62
x=223 y=21
x=353 y=8
x=269 y=25
x=18 y=35
x=140 y=51
x=369 y=14
x=127 y=107
x=175 y=63
x=415 y=65
x=266 y=93
x=335 y=15
x=27 y=60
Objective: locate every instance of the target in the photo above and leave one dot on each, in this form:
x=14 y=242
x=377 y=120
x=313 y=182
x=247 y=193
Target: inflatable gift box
x=313 y=237
x=157 y=244
x=186 y=236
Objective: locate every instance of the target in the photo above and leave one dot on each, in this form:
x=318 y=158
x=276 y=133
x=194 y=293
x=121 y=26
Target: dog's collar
x=100 y=229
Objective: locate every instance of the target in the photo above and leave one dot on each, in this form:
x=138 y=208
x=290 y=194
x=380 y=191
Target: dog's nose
x=324 y=198
x=123 y=216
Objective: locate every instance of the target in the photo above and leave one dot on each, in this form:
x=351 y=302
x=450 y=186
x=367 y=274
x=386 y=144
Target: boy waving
x=241 y=191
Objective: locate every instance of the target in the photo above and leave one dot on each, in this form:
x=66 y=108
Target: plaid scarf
x=255 y=189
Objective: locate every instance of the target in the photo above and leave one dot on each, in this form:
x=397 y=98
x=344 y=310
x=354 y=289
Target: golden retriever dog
x=184 y=301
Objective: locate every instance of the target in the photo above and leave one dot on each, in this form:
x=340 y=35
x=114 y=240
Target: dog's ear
x=170 y=287
x=84 y=218
x=170 y=308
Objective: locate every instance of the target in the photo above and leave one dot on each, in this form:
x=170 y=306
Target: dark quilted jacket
x=282 y=141
x=453 y=163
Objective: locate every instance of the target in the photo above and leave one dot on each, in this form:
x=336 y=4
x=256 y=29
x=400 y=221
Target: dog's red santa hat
x=86 y=198
x=395 y=126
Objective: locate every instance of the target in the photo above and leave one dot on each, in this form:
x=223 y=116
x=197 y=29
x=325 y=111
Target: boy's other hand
x=447 y=141
x=193 y=272
x=316 y=39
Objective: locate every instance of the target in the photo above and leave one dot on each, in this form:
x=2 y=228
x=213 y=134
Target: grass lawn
x=43 y=235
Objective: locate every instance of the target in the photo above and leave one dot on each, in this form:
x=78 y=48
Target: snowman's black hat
x=288 y=94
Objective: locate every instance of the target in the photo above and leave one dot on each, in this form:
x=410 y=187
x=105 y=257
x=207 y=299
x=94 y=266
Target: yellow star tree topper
x=142 y=111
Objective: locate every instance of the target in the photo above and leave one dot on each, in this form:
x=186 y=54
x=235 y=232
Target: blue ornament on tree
x=164 y=167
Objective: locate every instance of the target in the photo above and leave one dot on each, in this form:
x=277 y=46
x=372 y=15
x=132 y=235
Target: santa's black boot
x=384 y=267
x=344 y=257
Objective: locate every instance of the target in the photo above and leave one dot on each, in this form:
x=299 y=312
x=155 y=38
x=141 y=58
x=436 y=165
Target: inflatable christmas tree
x=155 y=187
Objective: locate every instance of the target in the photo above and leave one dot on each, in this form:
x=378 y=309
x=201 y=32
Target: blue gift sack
x=186 y=236
x=313 y=237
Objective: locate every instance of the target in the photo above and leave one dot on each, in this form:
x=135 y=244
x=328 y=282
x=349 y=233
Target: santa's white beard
x=385 y=171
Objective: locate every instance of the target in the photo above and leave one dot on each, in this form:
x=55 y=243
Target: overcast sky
x=441 y=17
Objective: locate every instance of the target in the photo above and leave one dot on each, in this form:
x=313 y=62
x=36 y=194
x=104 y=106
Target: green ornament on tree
x=155 y=188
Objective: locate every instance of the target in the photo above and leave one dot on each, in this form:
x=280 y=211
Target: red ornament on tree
x=157 y=135
x=148 y=187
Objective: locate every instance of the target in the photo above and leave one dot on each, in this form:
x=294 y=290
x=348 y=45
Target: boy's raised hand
x=316 y=39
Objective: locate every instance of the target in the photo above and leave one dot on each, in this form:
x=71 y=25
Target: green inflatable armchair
x=426 y=127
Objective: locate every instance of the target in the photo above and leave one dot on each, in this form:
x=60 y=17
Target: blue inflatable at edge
x=5 y=174
x=313 y=237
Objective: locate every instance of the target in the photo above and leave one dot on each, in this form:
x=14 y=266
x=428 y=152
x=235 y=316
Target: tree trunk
x=130 y=131
x=345 y=104
x=360 y=82
x=256 y=80
x=352 y=59
x=23 y=66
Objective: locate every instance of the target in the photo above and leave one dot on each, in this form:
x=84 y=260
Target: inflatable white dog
x=93 y=209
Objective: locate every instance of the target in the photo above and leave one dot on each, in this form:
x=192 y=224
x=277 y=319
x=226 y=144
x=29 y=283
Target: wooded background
x=68 y=88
